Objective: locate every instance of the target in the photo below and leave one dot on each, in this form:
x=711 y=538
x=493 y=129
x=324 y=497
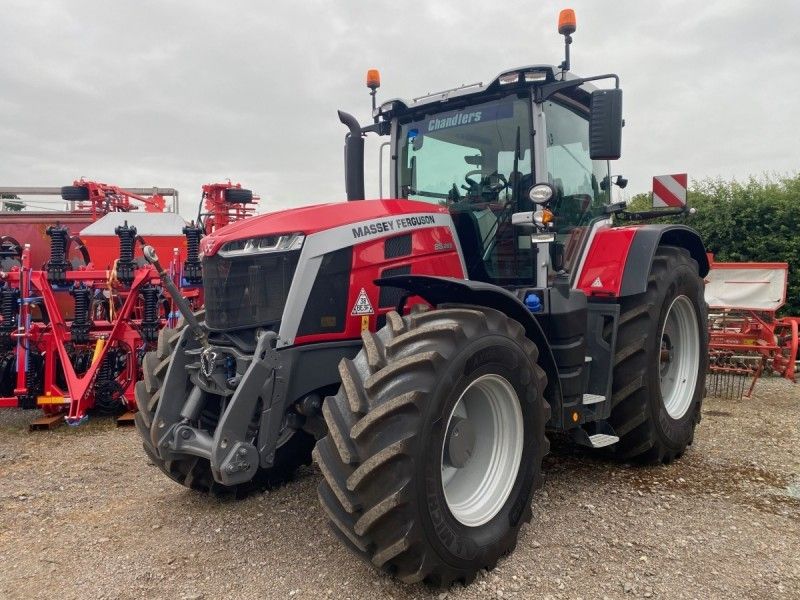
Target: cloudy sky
x=177 y=93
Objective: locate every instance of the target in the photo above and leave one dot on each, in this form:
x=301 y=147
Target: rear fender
x=443 y=290
x=618 y=261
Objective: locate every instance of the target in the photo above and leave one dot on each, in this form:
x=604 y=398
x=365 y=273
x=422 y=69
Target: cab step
x=593 y=399
x=600 y=440
x=598 y=434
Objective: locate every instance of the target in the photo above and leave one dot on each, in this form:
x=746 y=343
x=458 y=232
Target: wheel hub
x=679 y=357
x=460 y=443
x=666 y=355
x=482 y=450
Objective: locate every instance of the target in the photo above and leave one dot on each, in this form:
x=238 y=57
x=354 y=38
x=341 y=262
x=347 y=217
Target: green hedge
x=758 y=221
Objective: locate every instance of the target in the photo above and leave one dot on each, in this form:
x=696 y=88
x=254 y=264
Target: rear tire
x=655 y=420
x=195 y=472
x=389 y=459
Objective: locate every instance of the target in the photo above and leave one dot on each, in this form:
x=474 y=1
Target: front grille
x=247 y=291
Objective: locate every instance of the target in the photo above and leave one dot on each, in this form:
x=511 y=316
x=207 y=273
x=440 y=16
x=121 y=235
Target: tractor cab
x=482 y=161
x=517 y=162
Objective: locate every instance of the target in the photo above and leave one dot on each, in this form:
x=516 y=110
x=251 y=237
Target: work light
x=541 y=193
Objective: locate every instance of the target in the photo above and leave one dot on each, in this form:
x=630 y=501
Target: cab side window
x=574 y=175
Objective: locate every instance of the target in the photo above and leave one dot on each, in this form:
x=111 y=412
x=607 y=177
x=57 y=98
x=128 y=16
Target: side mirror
x=605 y=125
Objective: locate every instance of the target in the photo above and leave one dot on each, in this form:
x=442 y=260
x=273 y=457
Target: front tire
x=661 y=361
x=400 y=486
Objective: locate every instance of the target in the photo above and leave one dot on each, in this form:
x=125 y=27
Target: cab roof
x=472 y=92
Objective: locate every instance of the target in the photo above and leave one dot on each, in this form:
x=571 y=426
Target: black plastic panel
x=326 y=308
x=390 y=296
x=601 y=338
x=565 y=327
x=397 y=246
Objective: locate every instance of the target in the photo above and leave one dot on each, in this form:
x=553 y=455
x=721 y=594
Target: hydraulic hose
x=194 y=325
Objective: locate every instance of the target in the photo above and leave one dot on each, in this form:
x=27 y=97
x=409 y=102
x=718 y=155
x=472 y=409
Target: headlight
x=533 y=76
x=541 y=193
x=509 y=78
x=258 y=245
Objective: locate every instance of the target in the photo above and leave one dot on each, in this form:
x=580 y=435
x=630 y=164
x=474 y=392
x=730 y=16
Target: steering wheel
x=488 y=187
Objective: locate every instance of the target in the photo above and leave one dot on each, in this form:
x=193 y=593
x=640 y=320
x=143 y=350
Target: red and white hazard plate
x=670 y=190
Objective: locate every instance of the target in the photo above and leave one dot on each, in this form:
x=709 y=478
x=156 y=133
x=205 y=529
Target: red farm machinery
x=76 y=321
x=422 y=348
x=746 y=337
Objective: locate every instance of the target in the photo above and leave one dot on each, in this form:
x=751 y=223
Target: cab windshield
x=466 y=155
x=477 y=161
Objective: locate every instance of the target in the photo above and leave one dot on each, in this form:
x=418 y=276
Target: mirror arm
x=381 y=128
x=647 y=214
x=545 y=91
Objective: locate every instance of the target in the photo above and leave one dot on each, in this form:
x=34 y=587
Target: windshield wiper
x=429 y=194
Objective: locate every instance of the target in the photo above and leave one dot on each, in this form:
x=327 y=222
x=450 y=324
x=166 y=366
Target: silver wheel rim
x=679 y=357
x=488 y=415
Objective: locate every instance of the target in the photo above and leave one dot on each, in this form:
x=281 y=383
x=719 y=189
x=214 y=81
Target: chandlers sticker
x=489 y=112
x=389 y=225
x=362 y=306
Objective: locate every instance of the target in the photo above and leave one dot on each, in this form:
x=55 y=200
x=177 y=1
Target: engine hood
x=311 y=219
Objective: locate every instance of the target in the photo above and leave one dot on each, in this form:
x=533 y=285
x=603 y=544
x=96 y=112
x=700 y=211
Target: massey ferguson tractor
x=424 y=347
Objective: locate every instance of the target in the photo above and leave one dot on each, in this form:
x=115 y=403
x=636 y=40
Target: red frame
x=51 y=339
x=219 y=211
x=758 y=332
x=105 y=198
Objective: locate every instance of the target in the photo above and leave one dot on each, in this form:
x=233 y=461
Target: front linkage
x=246 y=382
x=252 y=395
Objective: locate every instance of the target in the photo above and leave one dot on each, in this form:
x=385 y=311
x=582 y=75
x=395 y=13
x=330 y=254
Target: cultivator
x=90 y=361
x=746 y=338
x=73 y=333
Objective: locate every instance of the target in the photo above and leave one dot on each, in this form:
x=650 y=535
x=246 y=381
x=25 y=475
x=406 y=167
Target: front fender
x=444 y=290
x=618 y=261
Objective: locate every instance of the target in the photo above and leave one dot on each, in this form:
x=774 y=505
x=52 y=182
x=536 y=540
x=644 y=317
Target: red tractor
x=425 y=346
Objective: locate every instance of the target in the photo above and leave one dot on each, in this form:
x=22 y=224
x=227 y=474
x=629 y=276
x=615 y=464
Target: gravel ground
x=84 y=515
